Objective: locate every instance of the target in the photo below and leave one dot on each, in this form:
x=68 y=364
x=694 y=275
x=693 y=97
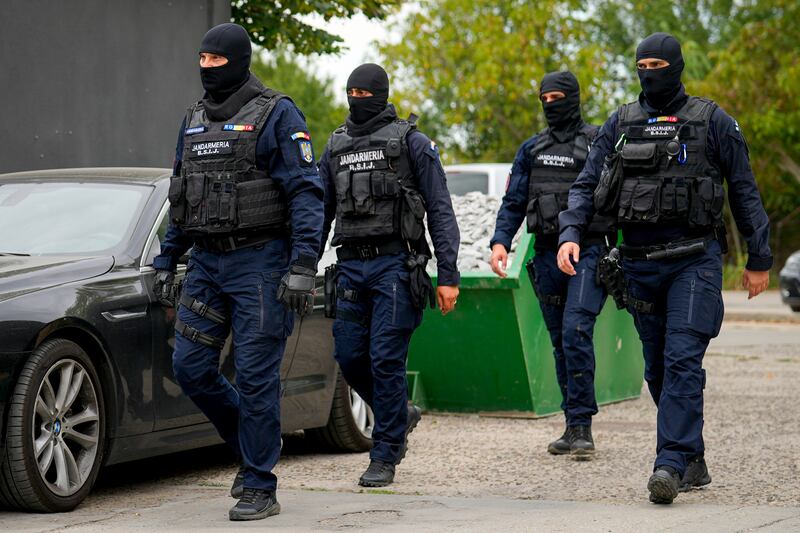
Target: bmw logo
x=57 y=427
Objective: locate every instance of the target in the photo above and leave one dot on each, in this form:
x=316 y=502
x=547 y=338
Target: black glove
x=164 y=287
x=296 y=290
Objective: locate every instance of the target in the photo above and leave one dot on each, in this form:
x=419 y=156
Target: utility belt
x=674 y=250
x=367 y=251
x=233 y=242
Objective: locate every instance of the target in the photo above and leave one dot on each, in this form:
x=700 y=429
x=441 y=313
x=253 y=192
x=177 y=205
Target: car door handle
x=119 y=316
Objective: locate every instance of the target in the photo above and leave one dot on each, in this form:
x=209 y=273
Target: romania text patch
x=238 y=127
x=301 y=135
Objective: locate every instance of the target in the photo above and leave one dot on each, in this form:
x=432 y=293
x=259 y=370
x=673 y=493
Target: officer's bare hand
x=755 y=282
x=499 y=260
x=568 y=250
x=446 y=296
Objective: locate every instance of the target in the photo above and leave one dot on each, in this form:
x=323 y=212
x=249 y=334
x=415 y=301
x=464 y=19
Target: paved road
x=471 y=473
x=766 y=307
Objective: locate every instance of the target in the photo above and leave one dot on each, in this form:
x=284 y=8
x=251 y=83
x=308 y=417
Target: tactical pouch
x=543 y=214
x=412 y=215
x=675 y=200
x=640 y=157
x=195 y=188
x=330 y=291
x=607 y=192
x=361 y=191
x=177 y=203
x=640 y=200
x=343 y=196
x=256 y=205
x=706 y=202
x=420 y=284
x=221 y=204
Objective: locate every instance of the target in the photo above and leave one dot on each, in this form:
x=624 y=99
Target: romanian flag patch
x=301 y=135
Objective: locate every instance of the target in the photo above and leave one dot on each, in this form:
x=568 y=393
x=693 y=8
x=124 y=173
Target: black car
x=790 y=282
x=86 y=349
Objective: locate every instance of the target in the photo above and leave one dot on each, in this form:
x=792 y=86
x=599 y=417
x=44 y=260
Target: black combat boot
x=237 y=489
x=378 y=474
x=696 y=474
x=561 y=446
x=255 y=504
x=582 y=446
x=663 y=485
x=414 y=416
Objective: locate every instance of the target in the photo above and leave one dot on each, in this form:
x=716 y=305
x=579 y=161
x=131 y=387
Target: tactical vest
x=667 y=175
x=555 y=167
x=219 y=190
x=376 y=194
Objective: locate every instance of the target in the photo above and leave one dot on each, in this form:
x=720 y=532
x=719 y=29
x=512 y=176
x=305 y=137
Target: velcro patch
x=306 y=153
x=195 y=130
x=212 y=148
x=238 y=127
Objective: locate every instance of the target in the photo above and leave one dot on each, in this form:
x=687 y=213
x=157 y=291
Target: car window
x=79 y=218
x=161 y=232
x=460 y=183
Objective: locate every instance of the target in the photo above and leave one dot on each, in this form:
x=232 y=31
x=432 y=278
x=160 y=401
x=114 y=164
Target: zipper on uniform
x=261 y=308
x=691 y=300
x=394 y=302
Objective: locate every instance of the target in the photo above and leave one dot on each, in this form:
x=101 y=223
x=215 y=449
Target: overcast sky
x=360 y=37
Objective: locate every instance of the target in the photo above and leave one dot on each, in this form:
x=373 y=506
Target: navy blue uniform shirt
x=515 y=201
x=280 y=155
x=432 y=185
x=726 y=146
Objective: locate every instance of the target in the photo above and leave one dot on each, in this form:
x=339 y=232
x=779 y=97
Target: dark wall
x=98 y=82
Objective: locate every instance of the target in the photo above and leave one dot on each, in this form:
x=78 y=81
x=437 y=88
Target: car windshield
x=460 y=183
x=67 y=218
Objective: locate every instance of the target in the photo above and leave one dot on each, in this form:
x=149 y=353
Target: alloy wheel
x=362 y=414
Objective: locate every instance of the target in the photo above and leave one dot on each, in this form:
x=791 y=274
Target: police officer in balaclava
x=246 y=197
x=545 y=167
x=382 y=176
x=675 y=152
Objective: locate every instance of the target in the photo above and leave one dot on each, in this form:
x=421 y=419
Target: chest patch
x=555 y=160
x=659 y=129
x=365 y=160
x=211 y=148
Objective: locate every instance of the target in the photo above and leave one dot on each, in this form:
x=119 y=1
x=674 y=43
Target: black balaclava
x=563 y=115
x=661 y=85
x=373 y=78
x=231 y=41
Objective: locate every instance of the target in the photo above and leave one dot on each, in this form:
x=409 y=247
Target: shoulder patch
x=301 y=135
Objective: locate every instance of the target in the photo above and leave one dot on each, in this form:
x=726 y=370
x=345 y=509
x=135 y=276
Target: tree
x=281 y=24
x=311 y=94
x=472 y=70
x=756 y=78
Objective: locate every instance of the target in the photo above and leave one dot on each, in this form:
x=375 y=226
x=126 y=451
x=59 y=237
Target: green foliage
x=281 y=24
x=312 y=95
x=471 y=69
x=477 y=65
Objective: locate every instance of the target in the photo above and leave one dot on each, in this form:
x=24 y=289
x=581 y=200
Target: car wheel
x=349 y=427
x=55 y=432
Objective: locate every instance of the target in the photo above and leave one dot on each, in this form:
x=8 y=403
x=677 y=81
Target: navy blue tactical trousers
x=241 y=284
x=687 y=315
x=371 y=343
x=571 y=328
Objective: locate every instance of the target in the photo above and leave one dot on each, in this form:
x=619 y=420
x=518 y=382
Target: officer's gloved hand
x=164 y=287
x=296 y=290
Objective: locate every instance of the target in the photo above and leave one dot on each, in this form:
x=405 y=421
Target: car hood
x=20 y=275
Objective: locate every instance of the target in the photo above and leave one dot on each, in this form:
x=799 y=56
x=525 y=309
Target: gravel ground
x=751 y=429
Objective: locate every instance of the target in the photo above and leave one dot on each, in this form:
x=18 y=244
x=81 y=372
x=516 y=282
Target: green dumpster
x=493 y=353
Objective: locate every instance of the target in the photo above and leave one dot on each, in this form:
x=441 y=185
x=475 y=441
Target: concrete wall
x=98 y=82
